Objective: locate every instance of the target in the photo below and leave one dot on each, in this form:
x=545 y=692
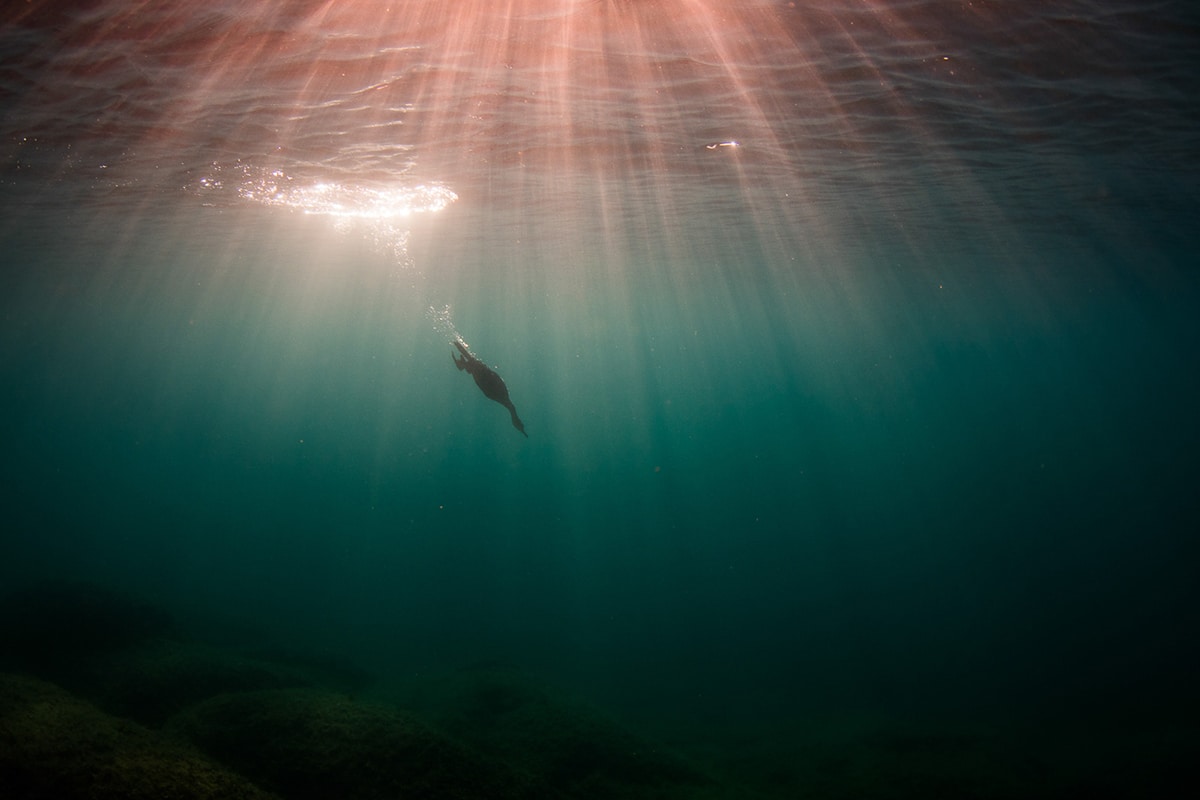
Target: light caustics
x=635 y=113
x=527 y=104
x=326 y=198
x=378 y=213
x=534 y=106
x=345 y=201
x=623 y=118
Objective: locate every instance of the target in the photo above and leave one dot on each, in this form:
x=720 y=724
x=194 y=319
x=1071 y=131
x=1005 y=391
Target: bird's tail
x=516 y=421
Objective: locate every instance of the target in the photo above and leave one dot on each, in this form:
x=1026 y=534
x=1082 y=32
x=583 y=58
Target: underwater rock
x=312 y=745
x=575 y=748
x=155 y=680
x=112 y=650
x=326 y=670
x=47 y=626
x=55 y=745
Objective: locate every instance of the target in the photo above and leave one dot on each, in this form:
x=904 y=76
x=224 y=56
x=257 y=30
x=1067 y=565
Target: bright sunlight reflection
x=276 y=188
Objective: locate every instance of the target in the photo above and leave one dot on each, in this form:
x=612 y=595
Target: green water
x=933 y=490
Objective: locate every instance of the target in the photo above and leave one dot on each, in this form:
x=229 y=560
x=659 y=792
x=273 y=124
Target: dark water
x=856 y=345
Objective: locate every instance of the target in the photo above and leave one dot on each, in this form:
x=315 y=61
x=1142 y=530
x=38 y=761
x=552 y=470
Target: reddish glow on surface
x=640 y=118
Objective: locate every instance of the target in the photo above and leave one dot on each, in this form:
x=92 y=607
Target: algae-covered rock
x=310 y=744
x=126 y=656
x=572 y=746
x=53 y=745
x=152 y=681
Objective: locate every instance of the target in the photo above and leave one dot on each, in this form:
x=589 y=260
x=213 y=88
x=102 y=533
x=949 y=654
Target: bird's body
x=491 y=384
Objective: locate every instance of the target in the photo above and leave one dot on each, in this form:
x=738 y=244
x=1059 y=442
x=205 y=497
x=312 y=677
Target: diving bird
x=491 y=384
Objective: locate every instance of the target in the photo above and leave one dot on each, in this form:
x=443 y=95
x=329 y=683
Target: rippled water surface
x=855 y=343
